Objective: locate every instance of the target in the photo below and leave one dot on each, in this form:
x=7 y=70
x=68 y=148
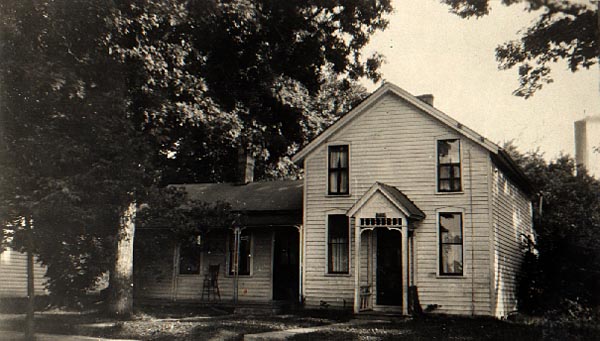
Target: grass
x=156 y=323
x=436 y=327
x=192 y=323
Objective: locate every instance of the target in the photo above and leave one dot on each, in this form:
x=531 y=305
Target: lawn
x=216 y=324
x=161 y=324
x=452 y=328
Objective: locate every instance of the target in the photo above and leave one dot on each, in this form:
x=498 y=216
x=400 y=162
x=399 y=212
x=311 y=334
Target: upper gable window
x=448 y=166
x=338 y=170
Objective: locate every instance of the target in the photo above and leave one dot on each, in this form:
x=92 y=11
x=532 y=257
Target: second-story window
x=338 y=170
x=448 y=166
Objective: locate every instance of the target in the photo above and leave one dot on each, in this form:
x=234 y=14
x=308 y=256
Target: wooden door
x=389 y=267
x=285 y=264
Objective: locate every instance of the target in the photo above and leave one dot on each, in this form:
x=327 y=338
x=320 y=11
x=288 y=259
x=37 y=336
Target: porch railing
x=365 y=298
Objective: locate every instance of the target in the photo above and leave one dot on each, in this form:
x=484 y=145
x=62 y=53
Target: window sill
x=239 y=276
x=189 y=275
x=450 y=276
x=338 y=195
x=337 y=275
x=449 y=193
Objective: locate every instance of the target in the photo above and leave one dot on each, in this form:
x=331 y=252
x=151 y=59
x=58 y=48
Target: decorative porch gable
x=386 y=207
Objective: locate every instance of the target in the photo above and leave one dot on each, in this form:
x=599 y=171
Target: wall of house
x=395 y=143
x=174 y=286
x=13 y=275
x=512 y=224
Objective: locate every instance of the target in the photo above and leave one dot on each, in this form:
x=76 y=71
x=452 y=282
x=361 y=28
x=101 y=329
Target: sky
x=429 y=50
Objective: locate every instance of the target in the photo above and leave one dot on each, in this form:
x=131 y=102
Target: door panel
x=389 y=267
x=285 y=265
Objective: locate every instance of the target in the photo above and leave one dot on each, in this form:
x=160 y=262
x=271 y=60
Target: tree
x=565 y=30
x=565 y=273
x=71 y=155
x=101 y=100
x=239 y=70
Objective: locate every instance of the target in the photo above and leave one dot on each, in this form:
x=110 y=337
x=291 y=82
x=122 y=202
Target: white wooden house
x=400 y=206
x=403 y=203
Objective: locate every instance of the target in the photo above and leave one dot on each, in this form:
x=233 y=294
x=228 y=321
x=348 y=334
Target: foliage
x=565 y=30
x=71 y=155
x=566 y=267
x=169 y=217
x=104 y=102
x=242 y=73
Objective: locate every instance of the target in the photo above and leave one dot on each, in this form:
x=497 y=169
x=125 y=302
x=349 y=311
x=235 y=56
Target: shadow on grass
x=447 y=327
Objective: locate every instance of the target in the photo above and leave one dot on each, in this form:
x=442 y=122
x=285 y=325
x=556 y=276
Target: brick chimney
x=245 y=167
x=427 y=98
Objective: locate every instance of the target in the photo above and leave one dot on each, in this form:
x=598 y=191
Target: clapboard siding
x=512 y=223
x=395 y=143
x=255 y=287
x=13 y=275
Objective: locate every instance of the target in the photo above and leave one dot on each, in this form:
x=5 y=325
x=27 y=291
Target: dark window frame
x=454 y=181
x=338 y=252
x=338 y=170
x=441 y=244
x=245 y=253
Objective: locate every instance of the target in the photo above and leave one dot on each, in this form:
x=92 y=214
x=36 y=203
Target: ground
x=217 y=324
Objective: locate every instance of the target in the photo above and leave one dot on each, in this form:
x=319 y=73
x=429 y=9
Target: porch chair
x=211 y=282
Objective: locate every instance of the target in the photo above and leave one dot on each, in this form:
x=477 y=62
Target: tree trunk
x=120 y=302
x=29 y=324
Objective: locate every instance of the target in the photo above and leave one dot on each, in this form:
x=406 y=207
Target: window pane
x=338 y=244
x=456 y=185
x=338 y=170
x=444 y=172
x=333 y=182
x=456 y=171
x=451 y=259
x=189 y=258
x=448 y=151
x=338 y=156
x=334 y=158
x=244 y=260
x=444 y=185
x=244 y=254
x=450 y=228
x=343 y=182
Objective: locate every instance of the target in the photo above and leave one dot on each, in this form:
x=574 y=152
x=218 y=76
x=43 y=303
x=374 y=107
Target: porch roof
x=267 y=203
x=399 y=199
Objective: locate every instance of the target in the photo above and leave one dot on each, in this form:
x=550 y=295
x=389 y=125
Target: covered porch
x=384 y=221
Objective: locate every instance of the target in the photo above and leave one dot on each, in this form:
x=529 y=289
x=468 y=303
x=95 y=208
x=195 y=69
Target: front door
x=389 y=267
x=285 y=265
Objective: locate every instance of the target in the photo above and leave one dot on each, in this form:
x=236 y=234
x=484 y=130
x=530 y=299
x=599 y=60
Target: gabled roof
x=267 y=196
x=499 y=156
x=389 y=88
x=394 y=195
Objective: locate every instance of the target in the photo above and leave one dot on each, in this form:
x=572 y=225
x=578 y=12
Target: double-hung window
x=451 y=244
x=244 y=261
x=448 y=166
x=189 y=257
x=338 y=170
x=338 y=243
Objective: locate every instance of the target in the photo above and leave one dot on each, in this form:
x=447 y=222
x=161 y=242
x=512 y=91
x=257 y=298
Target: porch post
x=356 y=269
x=405 y=268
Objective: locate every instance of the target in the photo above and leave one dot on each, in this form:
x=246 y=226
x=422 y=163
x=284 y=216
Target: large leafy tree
x=564 y=273
x=72 y=156
x=243 y=71
x=565 y=30
x=101 y=100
